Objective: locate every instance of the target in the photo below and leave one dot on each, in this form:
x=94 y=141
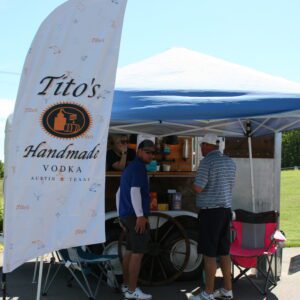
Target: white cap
x=211 y=139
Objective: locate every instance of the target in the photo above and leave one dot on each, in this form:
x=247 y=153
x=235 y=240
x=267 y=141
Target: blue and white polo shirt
x=216 y=176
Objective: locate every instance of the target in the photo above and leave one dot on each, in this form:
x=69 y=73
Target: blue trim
x=180 y=105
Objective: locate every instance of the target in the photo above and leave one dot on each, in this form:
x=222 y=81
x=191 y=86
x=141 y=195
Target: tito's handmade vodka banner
x=56 y=162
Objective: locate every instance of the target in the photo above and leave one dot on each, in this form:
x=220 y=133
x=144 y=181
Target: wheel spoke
x=146 y=258
x=156 y=232
x=162 y=267
x=157 y=266
x=151 y=270
x=167 y=232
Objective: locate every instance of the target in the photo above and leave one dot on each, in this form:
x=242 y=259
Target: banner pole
x=3 y=285
x=38 y=294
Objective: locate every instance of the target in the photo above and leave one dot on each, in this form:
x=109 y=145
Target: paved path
x=19 y=285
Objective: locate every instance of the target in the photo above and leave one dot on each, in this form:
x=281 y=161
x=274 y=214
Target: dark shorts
x=214 y=231
x=135 y=242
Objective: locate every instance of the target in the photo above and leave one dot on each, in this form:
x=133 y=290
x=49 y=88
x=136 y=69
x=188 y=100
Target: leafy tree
x=291 y=148
x=1 y=169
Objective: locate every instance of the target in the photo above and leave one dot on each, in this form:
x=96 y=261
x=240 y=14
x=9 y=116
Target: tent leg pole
x=251 y=173
x=38 y=294
x=3 y=286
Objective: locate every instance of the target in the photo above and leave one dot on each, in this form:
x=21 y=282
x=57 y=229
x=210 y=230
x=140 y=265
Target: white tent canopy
x=185 y=92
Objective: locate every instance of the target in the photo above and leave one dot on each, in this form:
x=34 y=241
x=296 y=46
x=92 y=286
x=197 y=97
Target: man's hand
x=140 y=225
x=197 y=188
x=122 y=148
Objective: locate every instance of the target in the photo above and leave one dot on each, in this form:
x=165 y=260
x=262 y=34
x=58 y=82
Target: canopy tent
x=185 y=92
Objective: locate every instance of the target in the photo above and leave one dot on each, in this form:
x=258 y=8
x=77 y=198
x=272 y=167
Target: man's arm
x=120 y=164
x=201 y=178
x=118 y=199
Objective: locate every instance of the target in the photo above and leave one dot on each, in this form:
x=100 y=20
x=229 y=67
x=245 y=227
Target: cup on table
x=166 y=168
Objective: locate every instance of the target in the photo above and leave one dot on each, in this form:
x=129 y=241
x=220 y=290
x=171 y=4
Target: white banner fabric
x=56 y=168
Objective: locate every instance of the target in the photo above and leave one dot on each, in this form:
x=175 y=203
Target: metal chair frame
x=266 y=254
x=78 y=261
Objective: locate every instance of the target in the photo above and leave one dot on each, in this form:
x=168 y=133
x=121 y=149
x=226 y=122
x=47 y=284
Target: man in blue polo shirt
x=213 y=184
x=133 y=205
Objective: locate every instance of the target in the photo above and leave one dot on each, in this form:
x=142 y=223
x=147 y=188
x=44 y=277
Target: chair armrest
x=233 y=215
x=277 y=241
x=279 y=236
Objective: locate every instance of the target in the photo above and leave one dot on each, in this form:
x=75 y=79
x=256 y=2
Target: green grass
x=1 y=210
x=290 y=206
x=1 y=203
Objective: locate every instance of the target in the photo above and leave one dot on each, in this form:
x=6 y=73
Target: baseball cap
x=211 y=139
x=146 y=144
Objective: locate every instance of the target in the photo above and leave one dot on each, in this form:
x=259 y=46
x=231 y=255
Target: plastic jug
x=177 y=201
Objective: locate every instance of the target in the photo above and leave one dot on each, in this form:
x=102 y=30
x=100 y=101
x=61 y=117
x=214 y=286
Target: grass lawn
x=1 y=199
x=1 y=207
x=290 y=206
x=289 y=202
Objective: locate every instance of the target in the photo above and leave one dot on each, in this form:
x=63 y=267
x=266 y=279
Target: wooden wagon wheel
x=157 y=267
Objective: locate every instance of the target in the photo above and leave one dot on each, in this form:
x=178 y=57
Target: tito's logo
x=66 y=120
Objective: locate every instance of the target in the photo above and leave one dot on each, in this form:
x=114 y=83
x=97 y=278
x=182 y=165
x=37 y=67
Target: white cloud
x=6 y=108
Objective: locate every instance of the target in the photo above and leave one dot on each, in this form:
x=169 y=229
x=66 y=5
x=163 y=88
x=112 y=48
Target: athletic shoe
x=221 y=294
x=137 y=295
x=202 y=296
x=124 y=288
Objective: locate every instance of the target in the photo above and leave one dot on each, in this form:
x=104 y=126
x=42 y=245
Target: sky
x=263 y=35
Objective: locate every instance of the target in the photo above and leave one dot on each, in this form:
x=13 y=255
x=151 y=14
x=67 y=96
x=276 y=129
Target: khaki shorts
x=135 y=242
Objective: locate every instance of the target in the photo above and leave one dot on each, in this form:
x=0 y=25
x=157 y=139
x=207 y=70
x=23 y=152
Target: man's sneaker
x=202 y=296
x=137 y=295
x=124 y=288
x=221 y=294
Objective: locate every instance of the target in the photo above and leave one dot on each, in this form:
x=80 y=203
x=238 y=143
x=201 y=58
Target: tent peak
x=182 y=68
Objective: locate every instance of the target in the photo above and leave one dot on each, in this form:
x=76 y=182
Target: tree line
x=290 y=149
x=1 y=169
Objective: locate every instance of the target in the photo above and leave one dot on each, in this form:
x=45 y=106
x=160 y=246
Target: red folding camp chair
x=255 y=240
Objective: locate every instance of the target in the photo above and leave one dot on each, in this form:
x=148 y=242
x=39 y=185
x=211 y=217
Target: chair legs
x=104 y=267
x=83 y=267
x=48 y=281
x=46 y=284
x=270 y=278
x=86 y=288
x=35 y=270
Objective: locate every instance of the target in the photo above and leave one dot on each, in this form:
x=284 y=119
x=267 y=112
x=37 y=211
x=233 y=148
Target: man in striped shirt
x=213 y=184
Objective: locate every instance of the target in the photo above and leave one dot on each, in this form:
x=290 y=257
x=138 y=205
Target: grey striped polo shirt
x=216 y=175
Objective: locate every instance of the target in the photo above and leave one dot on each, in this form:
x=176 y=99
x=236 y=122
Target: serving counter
x=160 y=182
x=157 y=174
